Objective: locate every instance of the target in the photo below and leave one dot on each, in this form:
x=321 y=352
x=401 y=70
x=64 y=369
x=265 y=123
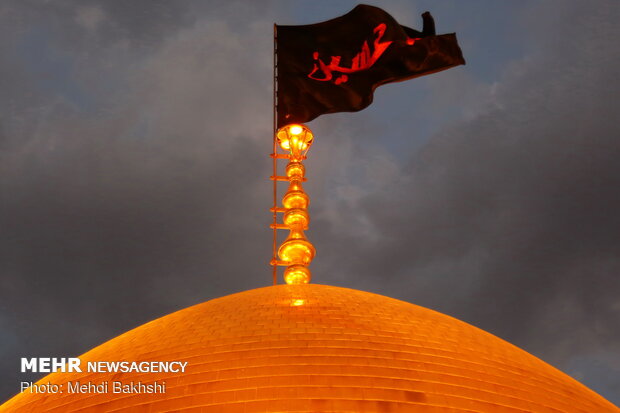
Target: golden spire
x=296 y=252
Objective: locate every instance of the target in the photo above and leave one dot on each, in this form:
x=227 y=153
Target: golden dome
x=316 y=348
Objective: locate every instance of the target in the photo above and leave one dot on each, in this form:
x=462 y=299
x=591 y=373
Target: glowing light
x=295 y=129
x=285 y=144
x=297 y=302
x=296 y=139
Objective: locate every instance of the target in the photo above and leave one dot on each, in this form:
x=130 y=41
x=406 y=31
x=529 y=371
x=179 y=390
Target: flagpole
x=274 y=152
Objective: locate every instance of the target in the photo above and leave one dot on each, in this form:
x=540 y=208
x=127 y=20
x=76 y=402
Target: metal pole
x=275 y=148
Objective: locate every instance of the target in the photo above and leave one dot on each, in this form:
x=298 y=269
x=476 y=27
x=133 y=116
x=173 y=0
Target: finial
x=296 y=252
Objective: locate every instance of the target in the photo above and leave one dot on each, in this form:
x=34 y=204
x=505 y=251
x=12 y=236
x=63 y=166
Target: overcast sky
x=134 y=142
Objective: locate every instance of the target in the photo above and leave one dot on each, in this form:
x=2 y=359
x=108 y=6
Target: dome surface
x=316 y=348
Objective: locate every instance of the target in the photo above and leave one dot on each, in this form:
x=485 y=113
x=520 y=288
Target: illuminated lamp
x=296 y=139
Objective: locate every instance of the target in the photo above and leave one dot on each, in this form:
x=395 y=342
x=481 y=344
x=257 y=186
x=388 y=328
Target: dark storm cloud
x=143 y=22
x=510 y=220
x=131 y=160
x=133 y=170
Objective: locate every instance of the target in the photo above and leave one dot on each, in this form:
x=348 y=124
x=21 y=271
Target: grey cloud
x=134 y=161
x=131 y=190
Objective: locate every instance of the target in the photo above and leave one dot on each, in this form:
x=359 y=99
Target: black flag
x=335 y=66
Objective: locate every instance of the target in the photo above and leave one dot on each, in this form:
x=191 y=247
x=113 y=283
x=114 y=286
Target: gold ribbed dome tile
x=315 y=348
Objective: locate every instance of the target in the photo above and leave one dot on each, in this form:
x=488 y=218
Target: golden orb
x=297 y=274
x=315 y=348
x=296 y=217
x=296 y=249
x=295 y=170
x=296 y=199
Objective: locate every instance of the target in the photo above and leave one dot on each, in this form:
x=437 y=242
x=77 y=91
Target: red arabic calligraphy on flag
x=334 y=66
x=361 y=61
